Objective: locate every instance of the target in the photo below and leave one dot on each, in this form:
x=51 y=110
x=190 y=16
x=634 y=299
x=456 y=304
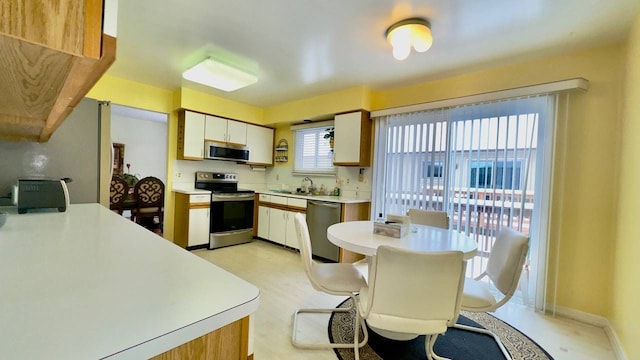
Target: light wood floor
x=279 y=275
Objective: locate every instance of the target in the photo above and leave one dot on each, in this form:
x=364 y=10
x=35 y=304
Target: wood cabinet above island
x=52 y=53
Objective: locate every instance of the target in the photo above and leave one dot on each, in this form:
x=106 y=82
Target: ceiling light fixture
x=219 y=75
x=414 y=32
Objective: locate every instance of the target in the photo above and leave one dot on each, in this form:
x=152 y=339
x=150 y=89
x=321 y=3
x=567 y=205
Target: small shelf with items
x=282 y=151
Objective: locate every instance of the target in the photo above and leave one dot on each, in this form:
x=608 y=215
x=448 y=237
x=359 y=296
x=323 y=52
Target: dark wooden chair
x=149 y=210
x=118 y=192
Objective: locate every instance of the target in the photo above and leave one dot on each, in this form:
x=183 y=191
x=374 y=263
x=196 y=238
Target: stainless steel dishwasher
x=321 y=215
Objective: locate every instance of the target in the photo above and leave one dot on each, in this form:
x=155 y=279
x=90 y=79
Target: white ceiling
x=304 y=48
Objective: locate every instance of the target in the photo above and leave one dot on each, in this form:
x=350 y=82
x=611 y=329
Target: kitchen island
x=89 y=284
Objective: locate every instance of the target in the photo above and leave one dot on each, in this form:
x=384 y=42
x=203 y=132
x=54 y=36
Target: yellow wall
x=319 y=106
x=284 y=132
x=585 y=224
x=129 y=93
x=626 y=286
x=210 y=104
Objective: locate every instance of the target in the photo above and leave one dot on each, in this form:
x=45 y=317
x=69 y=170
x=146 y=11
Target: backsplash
x=279 y=177
x=184 y=172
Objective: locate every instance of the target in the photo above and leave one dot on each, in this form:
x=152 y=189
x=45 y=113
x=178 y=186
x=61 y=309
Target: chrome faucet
x=310 y=188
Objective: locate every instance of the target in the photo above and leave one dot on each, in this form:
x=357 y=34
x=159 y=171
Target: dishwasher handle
x=323 y=203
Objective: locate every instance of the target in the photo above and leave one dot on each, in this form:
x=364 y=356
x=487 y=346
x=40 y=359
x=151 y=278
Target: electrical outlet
x=178 y=175
x=347 y=180
x=277 y=177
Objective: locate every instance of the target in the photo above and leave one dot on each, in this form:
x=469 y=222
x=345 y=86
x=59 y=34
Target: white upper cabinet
x=352 y=139
x=236 y=132
x=215 y=128
x=191 y=136
x=224 y=130
x=260 y=144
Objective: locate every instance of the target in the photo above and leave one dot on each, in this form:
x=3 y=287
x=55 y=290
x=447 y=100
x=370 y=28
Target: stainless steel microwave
x=221 y=151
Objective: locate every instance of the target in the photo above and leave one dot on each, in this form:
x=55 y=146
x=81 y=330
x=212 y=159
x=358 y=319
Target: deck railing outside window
x=476 y=162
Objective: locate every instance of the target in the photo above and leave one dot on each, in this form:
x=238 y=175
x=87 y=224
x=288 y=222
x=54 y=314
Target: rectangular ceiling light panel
x=218 y=75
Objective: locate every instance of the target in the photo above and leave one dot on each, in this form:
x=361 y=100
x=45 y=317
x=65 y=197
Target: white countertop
x=190 y=190
x=336 y=199
x=90 y=284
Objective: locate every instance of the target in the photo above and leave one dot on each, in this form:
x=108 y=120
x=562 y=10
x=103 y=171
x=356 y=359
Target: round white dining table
x=358 y=237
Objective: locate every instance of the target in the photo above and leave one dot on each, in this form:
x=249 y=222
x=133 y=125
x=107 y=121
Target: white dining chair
x=341 y=279
x=504 y=267
x=429 y=217
x=413 y=293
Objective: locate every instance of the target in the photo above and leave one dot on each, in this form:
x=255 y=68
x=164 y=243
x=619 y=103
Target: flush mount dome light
x=405 y=34
x=219 y=75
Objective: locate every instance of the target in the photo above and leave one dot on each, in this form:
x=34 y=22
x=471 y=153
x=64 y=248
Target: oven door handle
x=217 y=197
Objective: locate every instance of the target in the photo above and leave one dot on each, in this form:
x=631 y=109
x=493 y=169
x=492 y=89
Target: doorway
x=140 y=141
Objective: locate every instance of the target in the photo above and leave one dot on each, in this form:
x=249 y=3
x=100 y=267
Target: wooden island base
x=227 y=343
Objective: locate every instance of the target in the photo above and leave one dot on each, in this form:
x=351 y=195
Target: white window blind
x=313 y=154
x=477 y=162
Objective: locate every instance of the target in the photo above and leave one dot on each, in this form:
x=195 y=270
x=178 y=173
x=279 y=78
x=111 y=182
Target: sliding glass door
x=480 y=163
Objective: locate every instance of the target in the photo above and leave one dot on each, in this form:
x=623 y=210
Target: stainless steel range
x=231 y=219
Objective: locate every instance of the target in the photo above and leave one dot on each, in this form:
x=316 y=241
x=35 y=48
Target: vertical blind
x=477 y=162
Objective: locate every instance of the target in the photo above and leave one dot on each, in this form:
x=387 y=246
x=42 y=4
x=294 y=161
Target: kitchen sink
x=293 y=192
x=286 y=192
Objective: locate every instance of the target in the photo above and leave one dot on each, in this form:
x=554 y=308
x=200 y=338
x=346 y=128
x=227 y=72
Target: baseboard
x=595 y=320
x=578 y=315
x=615 y=343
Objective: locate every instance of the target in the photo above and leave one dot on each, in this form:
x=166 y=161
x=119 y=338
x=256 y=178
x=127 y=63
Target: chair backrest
x=118 y=192
x=422 y=287
x=149 y=192
x=506 y=260
x=428 y=217
x=304 y=242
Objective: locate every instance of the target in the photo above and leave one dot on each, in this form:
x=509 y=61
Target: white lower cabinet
x=282 y=228
x=198 y=226
x=191 y=221
x=278 y=225
x=263 y=221
x=291 y=239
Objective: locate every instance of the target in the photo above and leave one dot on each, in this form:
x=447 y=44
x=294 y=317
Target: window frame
x=493 y=177
x=322 y=144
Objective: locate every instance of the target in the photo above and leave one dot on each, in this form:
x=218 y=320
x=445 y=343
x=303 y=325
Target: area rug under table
x=455 y=344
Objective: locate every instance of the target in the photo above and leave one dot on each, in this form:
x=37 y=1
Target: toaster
x=32 y=194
